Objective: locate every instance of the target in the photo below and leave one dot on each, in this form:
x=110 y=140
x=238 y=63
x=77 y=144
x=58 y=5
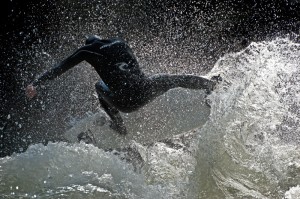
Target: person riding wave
x=123 y=86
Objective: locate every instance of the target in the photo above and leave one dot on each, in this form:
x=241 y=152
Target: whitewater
x=248 y=147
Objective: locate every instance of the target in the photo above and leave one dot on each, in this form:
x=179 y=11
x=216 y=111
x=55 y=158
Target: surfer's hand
x=30 y=91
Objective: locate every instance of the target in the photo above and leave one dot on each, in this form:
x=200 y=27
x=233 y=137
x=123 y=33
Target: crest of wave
x=250 y=146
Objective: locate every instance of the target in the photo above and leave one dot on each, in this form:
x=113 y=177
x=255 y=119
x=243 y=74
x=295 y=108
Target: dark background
x=31 y=28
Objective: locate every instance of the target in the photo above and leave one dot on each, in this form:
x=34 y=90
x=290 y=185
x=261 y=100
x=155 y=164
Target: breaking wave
x=248 y=148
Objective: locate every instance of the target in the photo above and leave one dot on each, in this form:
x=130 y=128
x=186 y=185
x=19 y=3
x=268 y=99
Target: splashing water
x=60 y=170
x=249 y=147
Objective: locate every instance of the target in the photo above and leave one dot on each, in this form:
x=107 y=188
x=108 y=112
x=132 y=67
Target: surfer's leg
x=164 y=82
x=117 y=123
x=104 y=94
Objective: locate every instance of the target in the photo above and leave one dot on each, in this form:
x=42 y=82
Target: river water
x=248 y=148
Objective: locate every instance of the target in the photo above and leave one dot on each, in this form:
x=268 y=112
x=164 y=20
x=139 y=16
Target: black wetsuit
x=123 y=86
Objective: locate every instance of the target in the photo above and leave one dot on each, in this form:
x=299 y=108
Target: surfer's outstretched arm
x=80 y=55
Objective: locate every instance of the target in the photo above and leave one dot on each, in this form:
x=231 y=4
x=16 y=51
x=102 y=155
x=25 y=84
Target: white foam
x=252 y=133
x=293 y=193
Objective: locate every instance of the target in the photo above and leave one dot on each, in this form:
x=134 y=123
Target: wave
x=250 y=145
x=248 y=148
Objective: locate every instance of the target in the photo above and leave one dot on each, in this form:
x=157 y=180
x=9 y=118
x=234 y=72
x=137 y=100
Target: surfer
x=123 y=86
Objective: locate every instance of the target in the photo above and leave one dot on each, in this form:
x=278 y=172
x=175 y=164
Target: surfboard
x=177 y=111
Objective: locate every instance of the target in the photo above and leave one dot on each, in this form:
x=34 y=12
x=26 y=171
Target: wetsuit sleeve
x=63 y=66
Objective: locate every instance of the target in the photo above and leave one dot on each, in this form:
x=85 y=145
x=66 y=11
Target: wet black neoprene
x=123 y=86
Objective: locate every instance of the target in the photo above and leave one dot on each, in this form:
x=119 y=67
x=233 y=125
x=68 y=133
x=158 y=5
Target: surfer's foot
x=214 y=81
x=118 y=125
x=119 y=128
x=87 y=137
x=216 y=78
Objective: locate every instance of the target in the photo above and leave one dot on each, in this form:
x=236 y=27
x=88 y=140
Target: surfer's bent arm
x=77 y=57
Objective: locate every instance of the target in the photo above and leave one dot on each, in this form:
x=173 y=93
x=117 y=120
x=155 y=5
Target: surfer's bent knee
x=103 y=89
